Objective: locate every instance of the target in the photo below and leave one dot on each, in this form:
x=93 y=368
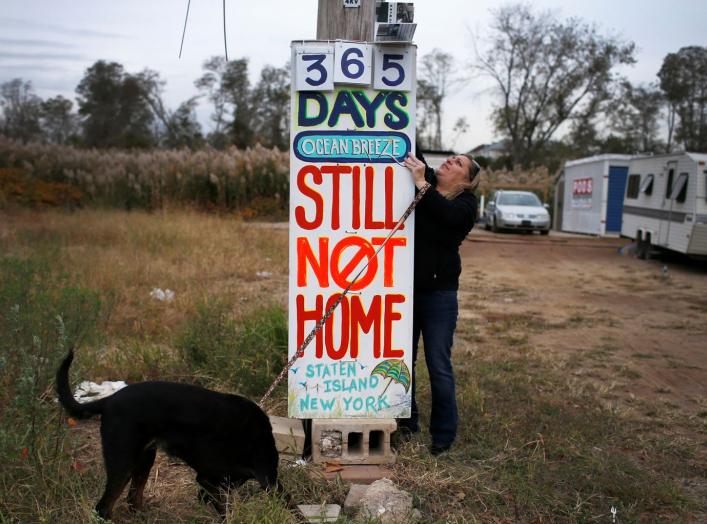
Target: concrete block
x=356 y=474
x=289 y=435
x=353 y=499
x=353 y=441
x=320 y=512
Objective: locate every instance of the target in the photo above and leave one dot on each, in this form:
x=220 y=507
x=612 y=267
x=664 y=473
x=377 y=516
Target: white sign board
x=347 y=191
x=314 y=68
x=353 y=63
x=392 y=67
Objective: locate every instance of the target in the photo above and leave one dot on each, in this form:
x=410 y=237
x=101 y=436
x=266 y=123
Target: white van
x=665 y=204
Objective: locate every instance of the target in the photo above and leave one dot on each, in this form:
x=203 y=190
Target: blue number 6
x=388 y=63
x=347 y=62
x=316 y=66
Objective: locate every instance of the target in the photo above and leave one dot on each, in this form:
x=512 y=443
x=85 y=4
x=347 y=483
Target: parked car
x=518 y=210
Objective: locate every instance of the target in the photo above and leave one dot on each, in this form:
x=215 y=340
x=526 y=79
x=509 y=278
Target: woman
x=443 y=218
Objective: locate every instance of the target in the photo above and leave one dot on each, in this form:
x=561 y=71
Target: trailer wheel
x=643 y=249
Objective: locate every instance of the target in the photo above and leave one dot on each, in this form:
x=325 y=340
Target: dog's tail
x=66 y=397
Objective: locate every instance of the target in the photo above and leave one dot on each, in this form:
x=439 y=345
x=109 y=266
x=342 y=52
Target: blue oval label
x=376 y=147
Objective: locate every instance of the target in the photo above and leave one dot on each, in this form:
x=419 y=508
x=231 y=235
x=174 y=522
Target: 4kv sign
x=353 y=123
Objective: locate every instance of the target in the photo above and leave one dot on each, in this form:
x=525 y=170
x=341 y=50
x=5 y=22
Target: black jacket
x=441 y=225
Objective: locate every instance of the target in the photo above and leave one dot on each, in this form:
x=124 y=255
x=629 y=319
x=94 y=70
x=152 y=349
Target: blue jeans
x=435 y=317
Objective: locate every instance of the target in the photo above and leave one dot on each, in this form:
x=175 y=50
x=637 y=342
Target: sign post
x=335 y=20
x=353 y=123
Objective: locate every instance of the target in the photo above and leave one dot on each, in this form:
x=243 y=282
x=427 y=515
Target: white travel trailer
x=666 y=203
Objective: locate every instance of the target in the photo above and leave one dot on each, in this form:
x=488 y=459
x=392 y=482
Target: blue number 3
x=317 y=65
x=388 y=63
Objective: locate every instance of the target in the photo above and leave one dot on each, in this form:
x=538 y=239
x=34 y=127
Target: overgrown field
x=534 y=445
x=251 y=182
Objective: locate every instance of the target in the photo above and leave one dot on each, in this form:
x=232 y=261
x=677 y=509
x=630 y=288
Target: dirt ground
x=636 y=330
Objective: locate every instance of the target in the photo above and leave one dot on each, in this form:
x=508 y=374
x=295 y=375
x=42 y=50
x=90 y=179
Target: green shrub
x=246 y=353
x=40 y=318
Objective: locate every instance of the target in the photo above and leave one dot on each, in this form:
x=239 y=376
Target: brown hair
x=471 y=185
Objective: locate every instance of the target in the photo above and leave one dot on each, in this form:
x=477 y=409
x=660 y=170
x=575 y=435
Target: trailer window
x=680 y=190
x=634 y=182
x=647 y=185
x=669 y=187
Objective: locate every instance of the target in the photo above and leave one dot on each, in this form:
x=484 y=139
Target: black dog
x=227 y=439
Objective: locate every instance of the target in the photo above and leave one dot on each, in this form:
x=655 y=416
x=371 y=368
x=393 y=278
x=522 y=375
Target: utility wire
x=184 y=31
x=225 y=47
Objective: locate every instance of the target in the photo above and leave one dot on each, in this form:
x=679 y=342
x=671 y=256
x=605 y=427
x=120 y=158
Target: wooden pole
x=336 y=22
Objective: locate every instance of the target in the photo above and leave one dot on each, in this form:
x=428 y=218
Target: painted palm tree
x=395 y=371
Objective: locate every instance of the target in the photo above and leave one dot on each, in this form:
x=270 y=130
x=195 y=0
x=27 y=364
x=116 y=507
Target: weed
x=40 y=317
x=643 y=355
x=626 y=372
x=245 y=354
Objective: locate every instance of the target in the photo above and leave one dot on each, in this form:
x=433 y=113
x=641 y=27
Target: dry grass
x=126 y=255
x=254 y=181
x=537 y=442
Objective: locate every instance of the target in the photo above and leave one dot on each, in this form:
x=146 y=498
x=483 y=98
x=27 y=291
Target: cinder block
x=353 y=441
x=289 y=435
x=320 y=512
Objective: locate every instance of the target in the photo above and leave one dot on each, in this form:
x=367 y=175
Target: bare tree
x=683 y=79
x=21 y=110
x=270 y=100
x=425 y=125
x=178 y=128
x=547 y=73
x=634 y=115
x=438 y=77
x=59 y=124
x=227 y=85
x=212 y=83
x=461 y=126
x=671 y=116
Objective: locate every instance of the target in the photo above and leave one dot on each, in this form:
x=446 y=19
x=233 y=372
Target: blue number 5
x=317 y=65
x=388 y=63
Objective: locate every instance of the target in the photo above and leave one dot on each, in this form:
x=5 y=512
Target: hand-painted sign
x=353 y=122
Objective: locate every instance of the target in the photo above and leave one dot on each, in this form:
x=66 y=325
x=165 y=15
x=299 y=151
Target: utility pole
x=335 y=21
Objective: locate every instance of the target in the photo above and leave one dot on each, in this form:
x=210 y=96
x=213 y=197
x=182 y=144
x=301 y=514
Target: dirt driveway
x=636 y=330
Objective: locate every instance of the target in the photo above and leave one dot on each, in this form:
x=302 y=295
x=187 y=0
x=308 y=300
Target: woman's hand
x=418 y=170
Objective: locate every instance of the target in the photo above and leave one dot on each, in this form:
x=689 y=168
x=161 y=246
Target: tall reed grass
x=230 y=180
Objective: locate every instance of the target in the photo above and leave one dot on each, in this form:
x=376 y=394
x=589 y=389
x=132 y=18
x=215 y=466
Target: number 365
x=388 y=67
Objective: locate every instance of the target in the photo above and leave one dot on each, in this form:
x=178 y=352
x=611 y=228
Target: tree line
x=557 y=95
x=119 y=109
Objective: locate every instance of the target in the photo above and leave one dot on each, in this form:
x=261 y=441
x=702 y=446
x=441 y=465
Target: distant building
x=492 y=151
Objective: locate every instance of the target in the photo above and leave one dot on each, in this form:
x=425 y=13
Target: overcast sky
x=52 y=42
